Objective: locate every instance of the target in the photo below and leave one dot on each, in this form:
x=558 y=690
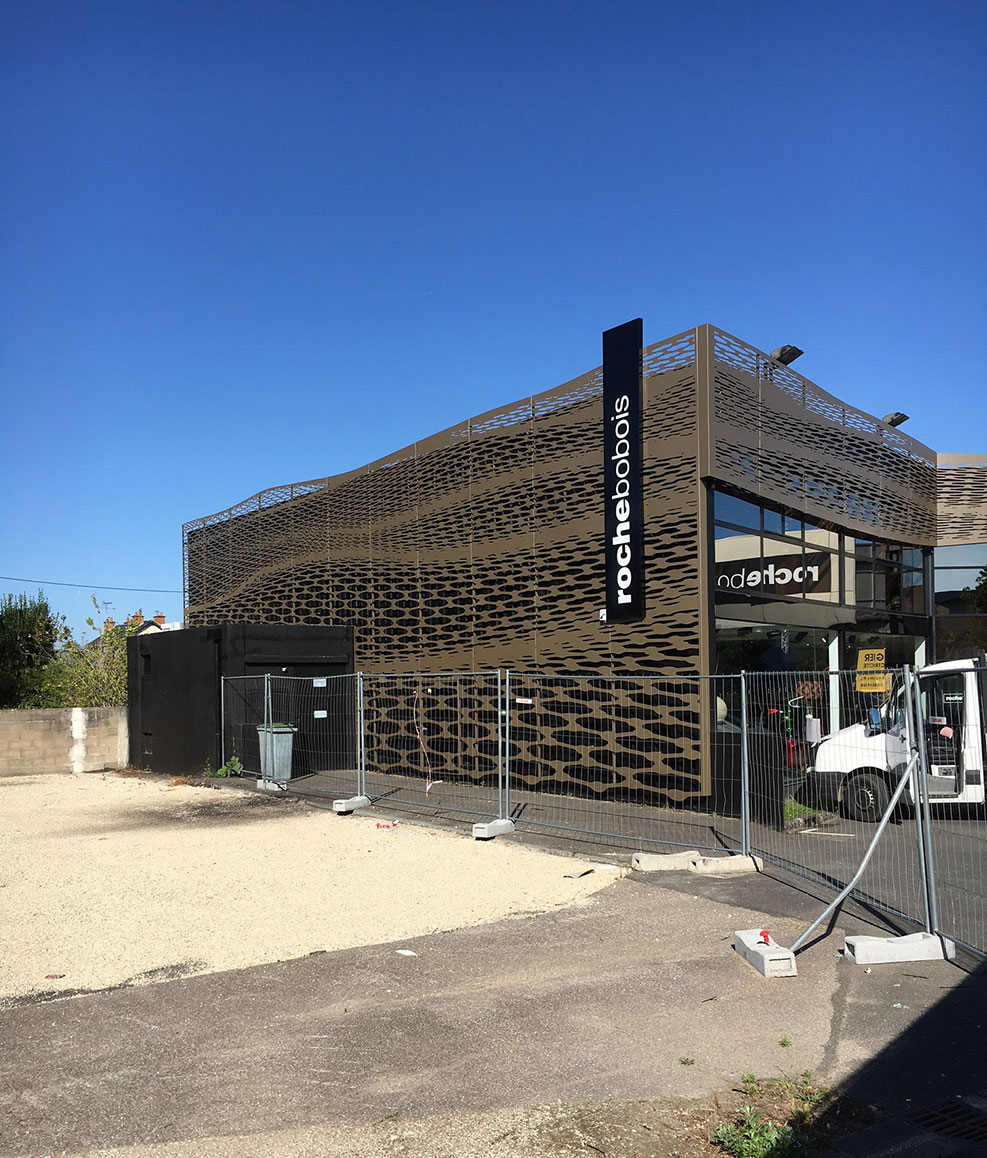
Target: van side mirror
x=875 y=721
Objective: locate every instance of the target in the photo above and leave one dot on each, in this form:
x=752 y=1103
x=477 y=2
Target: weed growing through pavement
x=232 y=767
x=687 y=1061
x=785 y=1041
x=753 y=1136
x=793 y=808
x=757 y=1132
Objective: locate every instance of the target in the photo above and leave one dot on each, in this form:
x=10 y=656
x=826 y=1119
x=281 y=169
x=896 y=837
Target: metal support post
x=745 y=782
x=361 y=762
x=917 y=791
x=268 y=727
x=222 y=720
x=923 y=803
x=347 y=804
x=503 y=825
x=500 y=746
x=507 y=744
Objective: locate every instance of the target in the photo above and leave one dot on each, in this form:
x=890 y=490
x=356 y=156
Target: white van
x=859 y=766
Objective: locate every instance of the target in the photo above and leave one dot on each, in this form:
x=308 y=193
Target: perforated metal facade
x=481 y=547
x=779 y=436
x=961 y=488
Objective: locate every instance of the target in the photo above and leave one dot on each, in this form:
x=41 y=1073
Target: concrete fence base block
x=914 y=947
x=491 y=828
x=271 y=785
x=760 y=949
x=656 y=862
x=350 y=804
x=727 y=866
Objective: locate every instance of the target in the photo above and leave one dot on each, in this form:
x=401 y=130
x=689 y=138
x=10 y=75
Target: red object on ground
x=765 y=937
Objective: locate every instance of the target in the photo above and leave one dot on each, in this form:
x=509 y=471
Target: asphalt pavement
x=458 y=1043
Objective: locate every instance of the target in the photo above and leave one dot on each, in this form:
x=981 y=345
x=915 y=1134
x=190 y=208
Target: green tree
x=28 y=633
x=980 y=593
x=88 y=675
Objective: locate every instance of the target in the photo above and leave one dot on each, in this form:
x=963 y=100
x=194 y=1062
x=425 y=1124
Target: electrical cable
x=96 y=586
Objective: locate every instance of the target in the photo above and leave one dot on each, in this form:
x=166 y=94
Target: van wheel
x=866 y=797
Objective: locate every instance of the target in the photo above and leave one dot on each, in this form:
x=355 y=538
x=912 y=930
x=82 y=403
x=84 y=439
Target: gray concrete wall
x=34 y=741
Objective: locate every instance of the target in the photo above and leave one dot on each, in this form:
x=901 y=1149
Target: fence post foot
x=657 y=862
x=350 y=804
x=491 y=828
x=759 y=948
x=726 y=866
x=913 y=947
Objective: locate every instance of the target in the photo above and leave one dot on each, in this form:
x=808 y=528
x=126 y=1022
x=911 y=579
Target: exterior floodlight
x=895 y=419
x=786 y=355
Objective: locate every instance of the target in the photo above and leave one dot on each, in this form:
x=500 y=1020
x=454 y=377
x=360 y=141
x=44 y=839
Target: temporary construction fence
x=394 y=738
x=281 y=728
x=867 y=759
x=729 y=764
x=621 y=759
x=435 y=740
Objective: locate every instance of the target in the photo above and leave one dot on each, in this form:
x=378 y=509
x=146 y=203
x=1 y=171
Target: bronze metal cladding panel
x=961 y=482
x=481 y=547
x=780 y=436
x=630 y=738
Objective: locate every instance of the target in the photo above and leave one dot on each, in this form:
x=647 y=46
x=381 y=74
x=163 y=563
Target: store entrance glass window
x=768 y=647
x=898 y=649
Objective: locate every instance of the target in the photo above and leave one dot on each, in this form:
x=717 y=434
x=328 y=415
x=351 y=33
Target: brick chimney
x=109 y=624
x=160 y=619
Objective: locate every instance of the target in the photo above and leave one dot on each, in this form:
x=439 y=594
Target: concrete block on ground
x=487 y=830
x=350 y=804
x=863 y=950
x=727 y=866
x=760 y=949
x=655 y=862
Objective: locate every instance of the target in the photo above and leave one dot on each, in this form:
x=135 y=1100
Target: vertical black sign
x=623 y=522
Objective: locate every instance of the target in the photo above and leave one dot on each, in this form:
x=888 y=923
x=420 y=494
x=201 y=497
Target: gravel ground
x=108 y=880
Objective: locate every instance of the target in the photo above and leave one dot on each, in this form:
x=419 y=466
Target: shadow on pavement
x=931 y=1079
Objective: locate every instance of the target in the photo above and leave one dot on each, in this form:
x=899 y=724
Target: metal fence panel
x=323 y=710
x=244 y=710
x=298 y=731
x=959 y=859
x=953 y=769
x=818 y=838
x=434 y=741
x=622 y=758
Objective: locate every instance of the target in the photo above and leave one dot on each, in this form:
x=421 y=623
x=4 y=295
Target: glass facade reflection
x=800 y=596
x=960 y=600
x=765 y=554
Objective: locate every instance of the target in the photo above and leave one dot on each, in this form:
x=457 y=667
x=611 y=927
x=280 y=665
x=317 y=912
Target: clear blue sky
x=249 y=243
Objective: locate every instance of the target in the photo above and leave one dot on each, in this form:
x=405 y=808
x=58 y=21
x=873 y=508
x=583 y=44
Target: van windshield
x=894 y=708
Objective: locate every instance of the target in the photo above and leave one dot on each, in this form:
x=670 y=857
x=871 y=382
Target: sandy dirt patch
x=109 y=880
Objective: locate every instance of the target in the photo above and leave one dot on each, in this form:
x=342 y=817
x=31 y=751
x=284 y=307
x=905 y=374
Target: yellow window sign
x=871 y=662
